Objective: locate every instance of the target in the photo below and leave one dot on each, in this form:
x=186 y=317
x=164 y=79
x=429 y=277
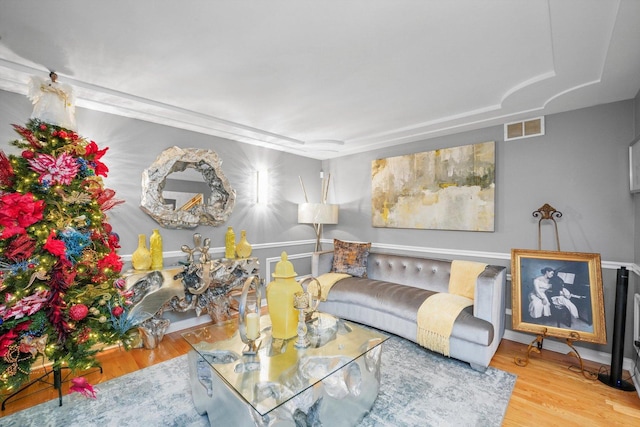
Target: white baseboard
x=561 y=347
x=188 y=323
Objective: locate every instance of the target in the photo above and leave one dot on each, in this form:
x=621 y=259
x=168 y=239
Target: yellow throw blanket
x=463 y=277
x=435 y=320
x=326 y=281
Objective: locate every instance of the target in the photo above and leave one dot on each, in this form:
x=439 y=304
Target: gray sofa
x=395 y=287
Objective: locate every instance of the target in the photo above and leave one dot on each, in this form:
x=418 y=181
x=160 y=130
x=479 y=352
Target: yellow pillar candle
x=253 y=326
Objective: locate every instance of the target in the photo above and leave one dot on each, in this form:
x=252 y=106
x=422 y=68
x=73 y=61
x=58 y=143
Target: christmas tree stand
x=44 y=378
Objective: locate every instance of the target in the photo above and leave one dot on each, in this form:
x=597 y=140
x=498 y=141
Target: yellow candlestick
x=253 y=326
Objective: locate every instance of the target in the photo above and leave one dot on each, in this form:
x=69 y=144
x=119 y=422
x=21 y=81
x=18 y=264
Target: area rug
x=418 y=388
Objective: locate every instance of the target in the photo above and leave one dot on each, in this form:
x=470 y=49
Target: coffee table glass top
x=279 y=371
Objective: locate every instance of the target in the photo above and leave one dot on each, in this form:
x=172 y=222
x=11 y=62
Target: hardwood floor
x=547 y=392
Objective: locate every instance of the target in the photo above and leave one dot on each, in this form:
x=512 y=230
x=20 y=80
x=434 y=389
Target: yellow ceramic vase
x=280 y=294
x=243 y=248
x=230 y=244
x=141 y=257
x=155 y=242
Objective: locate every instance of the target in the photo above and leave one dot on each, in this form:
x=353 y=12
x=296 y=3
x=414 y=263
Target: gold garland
x=57 y=91
x=13 y=359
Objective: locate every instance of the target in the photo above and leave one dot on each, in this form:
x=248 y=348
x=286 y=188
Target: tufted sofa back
x=424 y=273
x=430 y=274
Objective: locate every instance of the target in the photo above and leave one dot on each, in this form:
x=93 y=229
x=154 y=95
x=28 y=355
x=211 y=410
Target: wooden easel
x=548 y=212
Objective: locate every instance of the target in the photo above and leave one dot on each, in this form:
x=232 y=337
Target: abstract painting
x=445 y=189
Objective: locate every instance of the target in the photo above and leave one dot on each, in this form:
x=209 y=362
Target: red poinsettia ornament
x=82 y=386
x=18 y=211
x=55 y=246
x=56 y=170
x=94 y=155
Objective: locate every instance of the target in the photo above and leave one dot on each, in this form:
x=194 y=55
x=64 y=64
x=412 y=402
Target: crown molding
x=15 y=77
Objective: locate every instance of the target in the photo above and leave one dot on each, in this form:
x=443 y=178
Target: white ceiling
x=327 y=78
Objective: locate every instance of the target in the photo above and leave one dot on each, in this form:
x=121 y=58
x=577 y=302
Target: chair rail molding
x=609 y=265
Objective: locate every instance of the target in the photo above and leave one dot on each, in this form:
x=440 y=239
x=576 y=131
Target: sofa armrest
x=321 y=262
x=489 y=301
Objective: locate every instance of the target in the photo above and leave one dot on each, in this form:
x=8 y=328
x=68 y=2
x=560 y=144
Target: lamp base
x=619 y=384
x=318 y=228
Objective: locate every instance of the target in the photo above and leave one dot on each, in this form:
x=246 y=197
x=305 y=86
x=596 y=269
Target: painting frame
x=576 y=278
x=634 y=166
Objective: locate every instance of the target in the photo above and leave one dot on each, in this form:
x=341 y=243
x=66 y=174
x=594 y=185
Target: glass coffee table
x=334 y=381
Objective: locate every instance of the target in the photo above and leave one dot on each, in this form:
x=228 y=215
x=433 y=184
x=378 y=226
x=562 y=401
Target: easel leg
x=569 y=341
x=587 y=374
x=538 y=347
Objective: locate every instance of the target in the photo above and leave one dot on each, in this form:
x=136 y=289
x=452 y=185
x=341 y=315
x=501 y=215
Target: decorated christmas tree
x=59 y=270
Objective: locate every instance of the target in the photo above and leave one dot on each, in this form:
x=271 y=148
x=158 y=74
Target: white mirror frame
x=214 y=211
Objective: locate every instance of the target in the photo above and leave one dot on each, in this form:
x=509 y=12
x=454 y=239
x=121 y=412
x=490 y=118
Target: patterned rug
x=418 y=388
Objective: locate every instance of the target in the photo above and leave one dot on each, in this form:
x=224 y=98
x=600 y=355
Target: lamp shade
x=317 y=213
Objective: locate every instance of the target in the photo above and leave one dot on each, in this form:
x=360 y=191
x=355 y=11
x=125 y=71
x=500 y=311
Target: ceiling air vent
x=524 y=129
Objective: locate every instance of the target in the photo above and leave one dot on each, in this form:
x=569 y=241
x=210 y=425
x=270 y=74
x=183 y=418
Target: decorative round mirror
x=186 y=202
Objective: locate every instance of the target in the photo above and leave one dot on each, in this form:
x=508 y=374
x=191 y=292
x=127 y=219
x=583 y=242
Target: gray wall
x=580 y=167
x=134 y=145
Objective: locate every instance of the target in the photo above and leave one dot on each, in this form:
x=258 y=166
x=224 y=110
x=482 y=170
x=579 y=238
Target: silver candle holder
x=249 y=317
x=301 y=303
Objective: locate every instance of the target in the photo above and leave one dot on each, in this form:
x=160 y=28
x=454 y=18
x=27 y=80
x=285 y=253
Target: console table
x=334 y=381
x=202 y=287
